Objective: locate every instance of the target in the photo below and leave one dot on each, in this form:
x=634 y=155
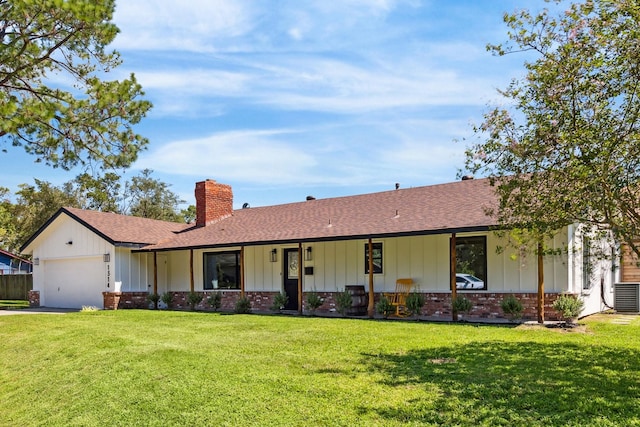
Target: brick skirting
x=34 y=298
x=486 y=306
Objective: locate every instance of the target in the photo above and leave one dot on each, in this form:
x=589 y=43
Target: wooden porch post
x=452 y=275
x=540 y=284
x=155 y=272
x=242 y=271
x=191 y=284
x=371 y=307
x=300 y=268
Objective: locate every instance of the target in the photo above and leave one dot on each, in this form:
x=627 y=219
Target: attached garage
x=75 y=282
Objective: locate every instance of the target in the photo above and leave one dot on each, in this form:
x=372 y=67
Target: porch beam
x=371 y=307
x=452 y=275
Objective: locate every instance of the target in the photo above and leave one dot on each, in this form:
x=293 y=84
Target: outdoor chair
x=398 y=299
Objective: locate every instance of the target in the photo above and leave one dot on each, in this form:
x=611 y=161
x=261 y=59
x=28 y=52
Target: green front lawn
x=183 y=368
x=13 y=304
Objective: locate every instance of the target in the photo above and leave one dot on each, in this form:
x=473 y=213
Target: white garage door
x=73 y=283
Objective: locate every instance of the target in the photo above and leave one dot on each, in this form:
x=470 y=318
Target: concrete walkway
x=39 y=310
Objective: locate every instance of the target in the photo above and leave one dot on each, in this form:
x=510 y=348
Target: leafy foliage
x=193 y=299
x=384 y=307
x=167 y=299
x=243 y=305
x=415 y=302
x=314 y=301
x=153 y=299
x=512 y=307
x=462 y=304
x=279 y=301
x=343 y=302
x=569 y=306
x=215 y=301
x=568 y=150
x=90 y=123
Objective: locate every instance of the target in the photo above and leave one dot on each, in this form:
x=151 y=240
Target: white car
x=467 y=281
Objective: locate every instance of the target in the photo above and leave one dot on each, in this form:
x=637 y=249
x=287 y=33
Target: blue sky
x=283 y=99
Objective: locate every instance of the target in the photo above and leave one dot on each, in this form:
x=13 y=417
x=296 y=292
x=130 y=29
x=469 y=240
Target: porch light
x=36 y=261
x=307 y=254
x=106 y=257
x=274 y=255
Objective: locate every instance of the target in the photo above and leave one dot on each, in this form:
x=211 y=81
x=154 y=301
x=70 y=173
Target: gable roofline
x=14 y=256
x=63 y=210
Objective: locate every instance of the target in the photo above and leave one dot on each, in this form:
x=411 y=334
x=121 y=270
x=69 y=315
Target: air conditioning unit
x=627 y=297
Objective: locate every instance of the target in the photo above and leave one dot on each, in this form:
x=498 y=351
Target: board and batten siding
x=336 y=264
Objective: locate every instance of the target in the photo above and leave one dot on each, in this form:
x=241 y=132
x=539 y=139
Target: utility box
x=627 y=297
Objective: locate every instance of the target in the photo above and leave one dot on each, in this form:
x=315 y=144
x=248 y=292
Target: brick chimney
x=214 y=201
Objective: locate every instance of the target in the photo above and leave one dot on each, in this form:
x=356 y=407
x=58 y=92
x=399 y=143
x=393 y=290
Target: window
x=471 y=262
x=377 y=258
x=222 y=270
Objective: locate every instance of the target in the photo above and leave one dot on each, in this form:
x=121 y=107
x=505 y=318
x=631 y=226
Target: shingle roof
x=451 y=207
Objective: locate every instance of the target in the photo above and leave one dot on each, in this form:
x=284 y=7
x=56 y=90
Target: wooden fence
x=15 y=286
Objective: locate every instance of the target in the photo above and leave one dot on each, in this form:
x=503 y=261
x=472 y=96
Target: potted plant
x=462 y=305
x=384 y=307
x=343 y=302
x=415 y=302
x=167 y=299
x=512 y=308
x=193 y=299
x=313 y=301
x=153 y=299
x=215 y=301
x=569 y=307
x=279 y=302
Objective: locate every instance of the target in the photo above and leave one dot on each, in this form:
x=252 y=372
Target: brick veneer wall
x=34 y=298
x=486 y=306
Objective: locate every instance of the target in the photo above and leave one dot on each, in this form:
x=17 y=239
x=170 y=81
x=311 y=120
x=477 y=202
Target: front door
x=290 y=268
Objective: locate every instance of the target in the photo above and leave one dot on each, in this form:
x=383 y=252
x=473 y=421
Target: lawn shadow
x=504 y=383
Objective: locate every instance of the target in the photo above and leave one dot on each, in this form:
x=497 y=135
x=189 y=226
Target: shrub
x=343 y=302
x=193 y=299
x=313 y=301
x=243 y=305
x=153 y=299
x=385 y=307
x=569 y=307
x=512 y=307
x=215 y=301
x=415 y=302
x=167 y=299
x=279 y=301
x=462 y=305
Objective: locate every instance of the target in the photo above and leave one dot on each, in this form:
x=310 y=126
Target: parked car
x=468 y=281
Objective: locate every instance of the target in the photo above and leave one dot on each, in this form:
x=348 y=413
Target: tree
x=99 y=193
x=151 y=198
x=7 y=225
x=88 y=124
x=568 y=149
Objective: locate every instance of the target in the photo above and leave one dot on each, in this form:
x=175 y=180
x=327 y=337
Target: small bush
x=462 y=305
x=153 y=299
x=343 y=302
x=569 y=307
x=313 y=301
x=193 y=299
x=215 y=301
x=384 y=307
x=167 y=299
x=243 y=305
x=280 y=301
x=512 y=307
x=415 y=302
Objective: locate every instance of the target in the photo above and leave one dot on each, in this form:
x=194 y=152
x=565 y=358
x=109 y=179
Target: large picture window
x=222 y=270
x=471 y=263
x=377 y=258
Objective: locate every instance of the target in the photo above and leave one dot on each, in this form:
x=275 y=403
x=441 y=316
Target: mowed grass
x=13 y=304
x=133 y=367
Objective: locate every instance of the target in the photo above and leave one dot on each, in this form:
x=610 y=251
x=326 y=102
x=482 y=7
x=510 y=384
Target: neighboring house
x=13 y=264
x=324 y=245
